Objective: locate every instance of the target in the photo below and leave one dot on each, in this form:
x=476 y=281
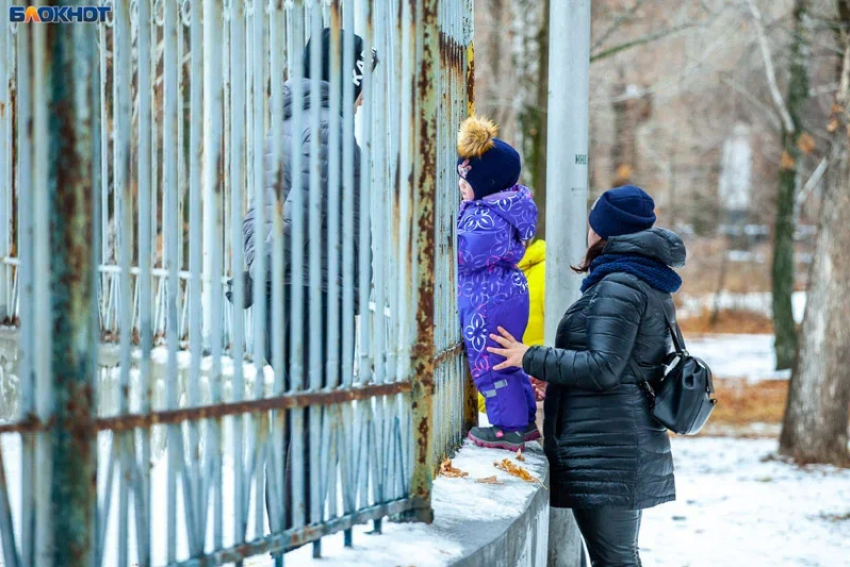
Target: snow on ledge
x=460 y=506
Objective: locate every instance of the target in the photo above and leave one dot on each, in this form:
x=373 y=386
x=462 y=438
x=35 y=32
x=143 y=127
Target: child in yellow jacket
x=533 y=265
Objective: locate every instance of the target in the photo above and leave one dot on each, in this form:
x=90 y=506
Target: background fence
x=130 y=153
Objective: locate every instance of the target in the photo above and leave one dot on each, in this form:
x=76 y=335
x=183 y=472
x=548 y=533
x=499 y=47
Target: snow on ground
x=455 y=501
x=734 y=509
x=737 y=510
x=757 y=302
x=738 y=356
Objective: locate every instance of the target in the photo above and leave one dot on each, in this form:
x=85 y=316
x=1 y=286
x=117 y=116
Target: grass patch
x=728 y=322
x=742 y=402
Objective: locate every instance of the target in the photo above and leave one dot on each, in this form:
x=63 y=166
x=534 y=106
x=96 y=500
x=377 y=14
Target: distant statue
x=736 y=170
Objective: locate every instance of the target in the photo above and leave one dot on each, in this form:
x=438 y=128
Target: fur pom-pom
x=475 y=137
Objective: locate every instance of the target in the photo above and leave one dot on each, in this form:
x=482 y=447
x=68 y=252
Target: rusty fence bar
x=69 y=66
x=426 y=66
x=165 y=409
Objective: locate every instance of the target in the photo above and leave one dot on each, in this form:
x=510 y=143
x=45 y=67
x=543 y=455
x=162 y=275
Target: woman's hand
x=513 y=350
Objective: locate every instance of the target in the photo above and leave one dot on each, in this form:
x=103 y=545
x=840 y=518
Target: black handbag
x=682 y=400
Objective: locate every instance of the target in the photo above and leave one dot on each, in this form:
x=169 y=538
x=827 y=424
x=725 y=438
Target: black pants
x=297 y=462
x=611 y=536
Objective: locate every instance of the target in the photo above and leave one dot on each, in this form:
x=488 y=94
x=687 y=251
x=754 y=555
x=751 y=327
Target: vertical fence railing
x=203 y=145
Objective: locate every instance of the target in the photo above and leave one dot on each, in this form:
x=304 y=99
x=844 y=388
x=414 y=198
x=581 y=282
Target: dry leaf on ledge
x=519 y=456
x=447 y=470
x=517 y=471
x=489 y=480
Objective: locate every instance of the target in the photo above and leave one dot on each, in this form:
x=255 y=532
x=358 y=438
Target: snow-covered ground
x=456 y=501
x=757 y=302
x=738 y=356
x=737 y=509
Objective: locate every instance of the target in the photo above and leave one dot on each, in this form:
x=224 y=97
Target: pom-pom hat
x=487 y=163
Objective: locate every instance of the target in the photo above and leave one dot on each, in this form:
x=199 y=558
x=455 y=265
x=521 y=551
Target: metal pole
x=426 y=67
x=566 y=193
x=70 y=59
x=566 y=200
x=470 y=412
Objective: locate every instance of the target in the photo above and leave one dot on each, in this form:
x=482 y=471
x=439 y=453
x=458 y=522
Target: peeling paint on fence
x=142 y=143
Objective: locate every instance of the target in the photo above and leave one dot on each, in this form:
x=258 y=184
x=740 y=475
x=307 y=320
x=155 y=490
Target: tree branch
x=752 y=99
x=617 y=25
x=778 y=100
x=812 y=182
x=640 y=41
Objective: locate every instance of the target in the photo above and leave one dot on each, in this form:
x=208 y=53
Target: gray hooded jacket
x=289 y=212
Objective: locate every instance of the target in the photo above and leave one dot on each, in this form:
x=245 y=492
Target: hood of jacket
x=659 y=244
x=517 y=207
x=306 y=100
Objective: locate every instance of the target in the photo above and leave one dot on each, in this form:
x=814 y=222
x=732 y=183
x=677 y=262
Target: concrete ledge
x=521 y=540
x=475 y=524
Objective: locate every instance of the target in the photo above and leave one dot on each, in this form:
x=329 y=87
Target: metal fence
x=146 y=426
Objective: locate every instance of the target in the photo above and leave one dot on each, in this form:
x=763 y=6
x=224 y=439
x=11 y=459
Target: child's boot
x=495 y=438
x=531 y=432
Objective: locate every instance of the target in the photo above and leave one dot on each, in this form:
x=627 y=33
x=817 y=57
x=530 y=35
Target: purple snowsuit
x=493 y=292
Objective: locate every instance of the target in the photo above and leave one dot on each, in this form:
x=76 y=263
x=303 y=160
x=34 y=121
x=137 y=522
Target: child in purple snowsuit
x=496 y=218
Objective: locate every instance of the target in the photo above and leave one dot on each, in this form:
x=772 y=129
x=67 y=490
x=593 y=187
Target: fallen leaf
x=489 y=480
x=832 y=126
x=517 y=471
x=519 y=456
x=447 y=470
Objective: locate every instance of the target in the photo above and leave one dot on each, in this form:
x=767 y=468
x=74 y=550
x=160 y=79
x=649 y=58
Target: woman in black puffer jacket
x=609 y=459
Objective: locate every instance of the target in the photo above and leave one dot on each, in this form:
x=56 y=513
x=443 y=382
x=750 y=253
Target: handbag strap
x=675 y=333
x=678 y=344
x=672 y=326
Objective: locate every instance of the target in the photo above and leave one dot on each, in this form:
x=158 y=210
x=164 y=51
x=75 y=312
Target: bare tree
x=816 y=418
x=532 y=116
x=790 y=109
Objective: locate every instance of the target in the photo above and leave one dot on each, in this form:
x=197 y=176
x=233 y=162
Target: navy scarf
x=653 y=272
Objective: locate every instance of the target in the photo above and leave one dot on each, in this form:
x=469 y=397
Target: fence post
x=70 y=60
x=566 y=200
x=424 y=159
x=470 y=413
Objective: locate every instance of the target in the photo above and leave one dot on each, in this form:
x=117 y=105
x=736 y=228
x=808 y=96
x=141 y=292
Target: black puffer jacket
x=604 y=448
x=304 y=137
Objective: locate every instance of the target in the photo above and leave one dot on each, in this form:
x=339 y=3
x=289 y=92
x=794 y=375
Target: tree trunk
x=816 y=418
x=540 y=139
x=785 y=330
x=533 y=119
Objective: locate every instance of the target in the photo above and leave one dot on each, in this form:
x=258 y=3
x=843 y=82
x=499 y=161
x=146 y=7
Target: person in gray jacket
x=304 y=143
x=289 y=207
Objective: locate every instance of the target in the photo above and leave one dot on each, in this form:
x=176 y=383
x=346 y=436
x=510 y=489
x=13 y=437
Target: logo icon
x=58 y=14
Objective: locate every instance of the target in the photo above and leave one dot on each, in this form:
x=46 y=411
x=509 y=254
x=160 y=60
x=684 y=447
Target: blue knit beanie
x=624 y=210
x=487 y=163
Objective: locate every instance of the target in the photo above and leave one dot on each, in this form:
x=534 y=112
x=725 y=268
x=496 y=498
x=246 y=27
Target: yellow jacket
x=533 y=265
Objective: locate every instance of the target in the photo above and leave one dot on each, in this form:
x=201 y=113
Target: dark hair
x=593 y=253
